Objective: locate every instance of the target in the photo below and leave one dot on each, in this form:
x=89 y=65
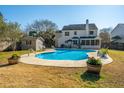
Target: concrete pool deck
x=31 y=59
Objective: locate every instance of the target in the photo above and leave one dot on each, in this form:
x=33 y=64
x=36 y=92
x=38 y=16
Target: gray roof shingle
x=79 y=27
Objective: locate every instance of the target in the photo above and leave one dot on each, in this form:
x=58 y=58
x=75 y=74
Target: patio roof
x=68 y=41
x=75 y=37
x=88 y=37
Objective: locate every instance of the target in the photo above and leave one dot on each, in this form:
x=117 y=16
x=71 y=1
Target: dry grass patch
x=24 y=75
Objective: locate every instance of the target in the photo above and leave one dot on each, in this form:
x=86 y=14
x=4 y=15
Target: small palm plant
x=102 y=52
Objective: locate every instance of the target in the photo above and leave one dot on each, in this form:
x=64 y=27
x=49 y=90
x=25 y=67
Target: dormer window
x=75 y=33
x=91 y=32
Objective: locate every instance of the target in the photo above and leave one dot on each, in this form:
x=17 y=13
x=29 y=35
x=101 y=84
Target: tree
x=45 y=29
x=2 y=27
x=105 y=36
x=14 y=33
x=33 y=33
x=109 y=29
x=41 y=25
x=48 y=37
x=10 y=32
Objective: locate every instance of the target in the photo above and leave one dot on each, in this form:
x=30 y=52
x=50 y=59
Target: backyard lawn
x=24 y=75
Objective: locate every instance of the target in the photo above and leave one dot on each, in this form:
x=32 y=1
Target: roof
x=118 y=30
x=75 y=37
x=121 y=25
x=32 y=38
x=59 y=31
x=92 y=26
x=120 y=40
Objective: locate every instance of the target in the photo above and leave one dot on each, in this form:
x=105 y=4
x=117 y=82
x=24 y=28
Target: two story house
x=78 y=36
x=117 y=37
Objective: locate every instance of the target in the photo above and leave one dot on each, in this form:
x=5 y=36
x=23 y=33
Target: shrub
x=31 y=50
x=93 y=61
x=102 y=52
x=14 y=56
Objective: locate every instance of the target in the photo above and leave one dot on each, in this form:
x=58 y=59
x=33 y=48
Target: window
x=65 y=41
x=87 y=42
x=28 y=42
x=75 y=33
x=97 y=42
x=92 y=42
x=83 y=42
x=75 y=42
x=91 y=32
x=66 y=33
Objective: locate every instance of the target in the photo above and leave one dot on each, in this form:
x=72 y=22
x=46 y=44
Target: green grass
x=5 y=55
x=24 y=75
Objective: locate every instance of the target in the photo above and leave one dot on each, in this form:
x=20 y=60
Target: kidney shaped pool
x=65 y=54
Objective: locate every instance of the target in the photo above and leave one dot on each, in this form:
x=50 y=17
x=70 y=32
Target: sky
x=102 y=16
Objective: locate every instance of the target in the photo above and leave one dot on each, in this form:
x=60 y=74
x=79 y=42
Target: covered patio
x=84 y=42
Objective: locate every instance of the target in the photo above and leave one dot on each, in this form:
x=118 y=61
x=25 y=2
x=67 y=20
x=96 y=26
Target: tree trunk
x=14 y=46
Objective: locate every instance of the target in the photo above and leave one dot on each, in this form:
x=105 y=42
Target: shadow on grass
x=87 y=76
x=4 y=65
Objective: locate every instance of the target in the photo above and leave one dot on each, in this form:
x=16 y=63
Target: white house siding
x=80 y=33
x=83 y=33
x=32 y=42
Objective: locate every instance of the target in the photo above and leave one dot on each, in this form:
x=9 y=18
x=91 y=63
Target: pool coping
x=31 y=59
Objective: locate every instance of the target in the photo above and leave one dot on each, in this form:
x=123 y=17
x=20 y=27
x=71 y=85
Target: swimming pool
x=65 y=54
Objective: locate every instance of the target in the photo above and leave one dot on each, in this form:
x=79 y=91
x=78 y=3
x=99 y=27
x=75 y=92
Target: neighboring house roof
x=118 y=30
x=79 y=27
x=120 y=40
x=121 y=25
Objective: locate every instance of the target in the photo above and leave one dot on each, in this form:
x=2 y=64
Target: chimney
x=87 y=21
x=87 y=27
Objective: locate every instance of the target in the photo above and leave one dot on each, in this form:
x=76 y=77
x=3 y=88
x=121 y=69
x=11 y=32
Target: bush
x=93 y=61
x=14 y=56
x=102 y=52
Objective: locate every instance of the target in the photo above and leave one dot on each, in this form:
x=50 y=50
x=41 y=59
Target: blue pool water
x=65 y=54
